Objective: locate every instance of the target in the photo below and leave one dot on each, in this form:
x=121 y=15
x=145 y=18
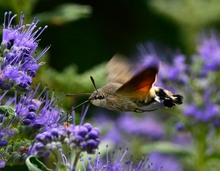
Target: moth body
x=128 y=90
x=107 y=97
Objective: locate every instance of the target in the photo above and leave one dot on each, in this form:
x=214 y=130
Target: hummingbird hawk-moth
x=127 y=91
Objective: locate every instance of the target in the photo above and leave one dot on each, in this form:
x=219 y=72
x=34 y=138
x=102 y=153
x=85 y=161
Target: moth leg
x=138 y=110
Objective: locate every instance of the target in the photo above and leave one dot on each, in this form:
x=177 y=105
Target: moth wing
x=119 y=69
x=140 y=85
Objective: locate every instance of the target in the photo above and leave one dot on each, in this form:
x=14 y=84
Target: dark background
x=116 y=26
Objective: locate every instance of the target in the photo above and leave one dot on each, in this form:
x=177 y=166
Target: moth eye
x=100 y=97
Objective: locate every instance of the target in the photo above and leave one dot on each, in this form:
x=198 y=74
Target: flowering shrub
x=31 y=123
x=35 y=128
x=19 y=43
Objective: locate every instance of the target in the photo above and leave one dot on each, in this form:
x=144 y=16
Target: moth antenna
x=93 y=82
x=80 y=94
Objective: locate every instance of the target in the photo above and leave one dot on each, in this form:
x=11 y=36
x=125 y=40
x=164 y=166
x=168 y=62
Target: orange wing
x=140 y=85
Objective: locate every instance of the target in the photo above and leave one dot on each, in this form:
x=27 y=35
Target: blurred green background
x=85 y=33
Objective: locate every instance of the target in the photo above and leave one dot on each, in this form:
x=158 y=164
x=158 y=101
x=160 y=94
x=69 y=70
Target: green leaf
x=213 y=156
x=7 y=110
x=182 y=11
x=65 y=13
x=63 y=168
x=166 y=147
x=34 y=164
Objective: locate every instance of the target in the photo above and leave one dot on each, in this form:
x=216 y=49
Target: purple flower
x=175 y=72
x=183 y=139
x=206 y=113
x=216 y=123
x=146 y=126
x=84 y=139
x=18 y=65
x=7 y=131
x=24 y=37
x=190 y=110
x=180 y=126
x=22 y=118
x=209 y=50
x=163 y=162
x=77 y=139
x=2 y=163
x=38 y=112
x=170 y=71
x=3 y=142
x=114 y=136
x=111 y=132
x=115 y=161
x=49 y=141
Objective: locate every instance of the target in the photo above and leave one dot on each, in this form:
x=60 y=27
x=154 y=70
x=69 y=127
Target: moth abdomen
x=173 y=101
x=168 y=99
x=178 y=99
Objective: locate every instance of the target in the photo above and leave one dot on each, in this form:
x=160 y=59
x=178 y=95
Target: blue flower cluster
x=17 y=62
x=6 y=116
x=50 y=140
x=84 y=138
x=77 y=139
x=29 y=116
x=23 y=116
x=148 y=127
x=204 y=114
x=38 y=112
x=164 y=162
x=116 y=161
x=173 y=71
x=80 y=138
x=209 y=51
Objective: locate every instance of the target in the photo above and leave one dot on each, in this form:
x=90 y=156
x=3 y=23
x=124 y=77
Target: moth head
x=96 y=95
x=97 y=98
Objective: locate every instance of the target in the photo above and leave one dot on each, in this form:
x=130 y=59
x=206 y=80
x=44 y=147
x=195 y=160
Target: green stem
x=55 y=155
x=76 y=159
x=200 y=134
